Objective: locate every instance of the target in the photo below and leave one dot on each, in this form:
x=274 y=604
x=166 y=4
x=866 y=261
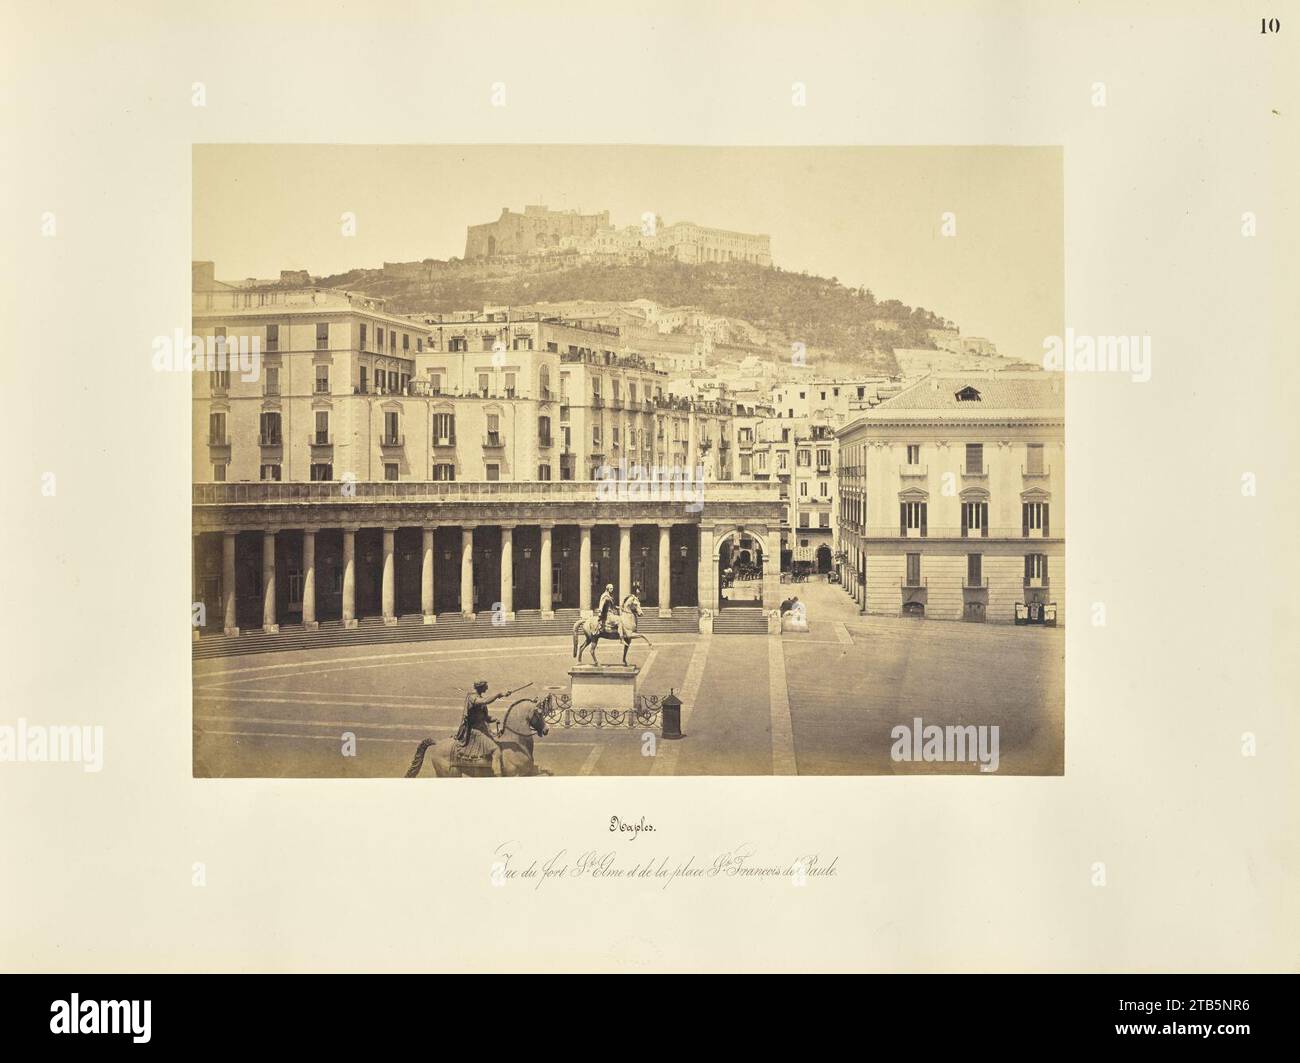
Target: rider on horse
x=606 y=604
x=474 y=741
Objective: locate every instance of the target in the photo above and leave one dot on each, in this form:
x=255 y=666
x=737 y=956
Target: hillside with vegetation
x=831 y=320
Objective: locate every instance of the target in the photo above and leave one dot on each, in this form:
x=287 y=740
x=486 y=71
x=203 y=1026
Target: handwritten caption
x=742 y=863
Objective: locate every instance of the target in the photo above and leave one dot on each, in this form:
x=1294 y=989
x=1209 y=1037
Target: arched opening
x=740 y=570
x=823 y=559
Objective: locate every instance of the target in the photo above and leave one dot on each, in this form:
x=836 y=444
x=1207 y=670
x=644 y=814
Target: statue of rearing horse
x=624 y=629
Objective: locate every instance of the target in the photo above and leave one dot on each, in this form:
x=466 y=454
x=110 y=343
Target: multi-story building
x=325 y=401
x=377 y=466
x=952 y=499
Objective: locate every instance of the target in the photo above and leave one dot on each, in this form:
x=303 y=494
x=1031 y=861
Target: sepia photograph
x=766 y=471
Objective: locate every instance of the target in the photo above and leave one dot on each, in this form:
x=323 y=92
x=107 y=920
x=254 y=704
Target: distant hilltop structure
x=536 y=229
x=540 y=231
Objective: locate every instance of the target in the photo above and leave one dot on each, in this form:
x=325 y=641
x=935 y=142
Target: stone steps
x=740 y=622
x=373 y=631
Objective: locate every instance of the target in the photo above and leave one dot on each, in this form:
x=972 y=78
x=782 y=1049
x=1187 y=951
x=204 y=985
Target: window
x=483 y=385
x=392 y=381
x=272 y=337
x=392 y=340
x=406 y=344
x=968 y=394
x=914 y=570
x=362 y=388
x=782 y=461
x=322 y=379
x=544 y=382
x=322 y=427
x=321 y=471
x=392 y=426
x=269 y=472
x=444 y=429
x=744 y=465
x=762 y=460
x=322 y=336
x=1033 y=517
x=803 y=488
x=493 y=472
x=912 y=517
x=435 y=383
x=217 y=429
x=510 y=385
x=362 y=334
x=974 y=570
x=824 y=488
x=390 y=470
x=269 y=430
x=974 y=458
x=914 y=454
x=1036 y=568
x=975 y=517
x=1034 y=459
x=543 y=472
x=219 y=474
x=544 y=431
x=824 y=458
x=444 y=472
x=823 y=520
x=805 y=458
x=595 y=436
x=458 y=343
x=803 y=520
x=488 y=341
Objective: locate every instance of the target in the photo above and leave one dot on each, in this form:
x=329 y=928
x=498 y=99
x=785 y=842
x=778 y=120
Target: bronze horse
x=512 y=760
x=594 y=631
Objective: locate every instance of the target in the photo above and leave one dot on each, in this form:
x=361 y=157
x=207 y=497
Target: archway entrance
x=740 y=570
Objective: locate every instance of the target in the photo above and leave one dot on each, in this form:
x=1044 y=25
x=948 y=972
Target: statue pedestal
x=604 y=686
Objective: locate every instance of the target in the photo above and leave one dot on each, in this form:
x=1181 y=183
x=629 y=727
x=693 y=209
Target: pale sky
x=866 y=215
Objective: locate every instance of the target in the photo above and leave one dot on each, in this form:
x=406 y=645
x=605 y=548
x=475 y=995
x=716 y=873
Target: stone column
x=269 y=626
x=771 y=570
x=467 y=571
x=508 y=571
x=706 y=571
x=229 y=625
x=426 y=577
x=349 y=577
x=584 y=570
x=665 y=569
x=309 y=579
x=389 y=580
x=544 y=574
x=624 y=561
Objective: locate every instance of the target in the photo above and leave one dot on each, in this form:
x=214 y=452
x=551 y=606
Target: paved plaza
x=821 y=702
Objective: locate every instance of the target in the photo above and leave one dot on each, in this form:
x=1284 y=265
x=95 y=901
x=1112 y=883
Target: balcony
x=221 y=441
x=271 y=391
x=494 y=439
x=1036 y=583
x=919 y=472
x=444 y=441
x=545 y=441
x=615 y=403
x=271 y=440
x=982 y=473
x=918 y=584
x=389 y=439
x=981 y=584
x=597 y=403
x=1036 y=474
x=320 y=439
